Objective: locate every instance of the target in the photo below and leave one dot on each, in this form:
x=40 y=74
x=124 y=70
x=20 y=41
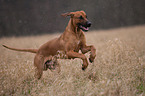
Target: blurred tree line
x=33 y=17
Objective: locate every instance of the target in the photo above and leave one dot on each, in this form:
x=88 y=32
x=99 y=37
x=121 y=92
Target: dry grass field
x=118 y=70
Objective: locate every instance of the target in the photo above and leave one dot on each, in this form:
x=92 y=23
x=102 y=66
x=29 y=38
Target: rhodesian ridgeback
x=70 y=42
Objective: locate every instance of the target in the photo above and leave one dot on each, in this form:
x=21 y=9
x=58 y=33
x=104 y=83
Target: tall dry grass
x=118 y=70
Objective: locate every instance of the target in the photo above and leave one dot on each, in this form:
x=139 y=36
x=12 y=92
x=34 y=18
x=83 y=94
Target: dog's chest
x=78 y=42
x=75 y=44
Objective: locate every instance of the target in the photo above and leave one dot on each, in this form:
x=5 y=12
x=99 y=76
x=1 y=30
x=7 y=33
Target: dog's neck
x=72 y=27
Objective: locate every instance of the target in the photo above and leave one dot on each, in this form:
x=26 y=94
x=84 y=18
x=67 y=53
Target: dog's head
x=79 y=19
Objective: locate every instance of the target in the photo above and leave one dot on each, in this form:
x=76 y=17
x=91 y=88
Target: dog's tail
x=23 y=50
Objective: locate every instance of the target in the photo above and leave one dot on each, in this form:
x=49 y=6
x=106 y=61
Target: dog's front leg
x=72 y=54
x=91 y=48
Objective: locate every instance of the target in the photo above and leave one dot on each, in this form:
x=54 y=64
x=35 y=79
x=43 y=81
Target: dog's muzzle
x=84 y=27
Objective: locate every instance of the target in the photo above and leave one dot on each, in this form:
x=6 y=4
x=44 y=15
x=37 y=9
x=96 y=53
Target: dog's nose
x=88 y=24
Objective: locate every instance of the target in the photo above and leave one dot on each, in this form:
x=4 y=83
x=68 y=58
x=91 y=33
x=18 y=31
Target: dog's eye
x=81 y=17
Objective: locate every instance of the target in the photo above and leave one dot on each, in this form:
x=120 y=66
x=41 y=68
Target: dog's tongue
x=84 y=28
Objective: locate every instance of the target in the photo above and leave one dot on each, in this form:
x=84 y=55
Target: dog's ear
x=68 y=14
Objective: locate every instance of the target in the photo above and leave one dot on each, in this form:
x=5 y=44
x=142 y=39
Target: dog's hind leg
x=38 y=63
x=51 y=63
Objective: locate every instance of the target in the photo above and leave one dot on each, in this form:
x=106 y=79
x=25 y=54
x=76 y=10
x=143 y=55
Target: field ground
x=118 y=70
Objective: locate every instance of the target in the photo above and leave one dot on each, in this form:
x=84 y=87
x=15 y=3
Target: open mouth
x=84 y=28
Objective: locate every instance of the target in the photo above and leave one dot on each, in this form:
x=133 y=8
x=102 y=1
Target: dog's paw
x=91 y=60
x=84 y=67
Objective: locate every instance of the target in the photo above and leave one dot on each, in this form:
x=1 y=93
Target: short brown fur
x=70 y=42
